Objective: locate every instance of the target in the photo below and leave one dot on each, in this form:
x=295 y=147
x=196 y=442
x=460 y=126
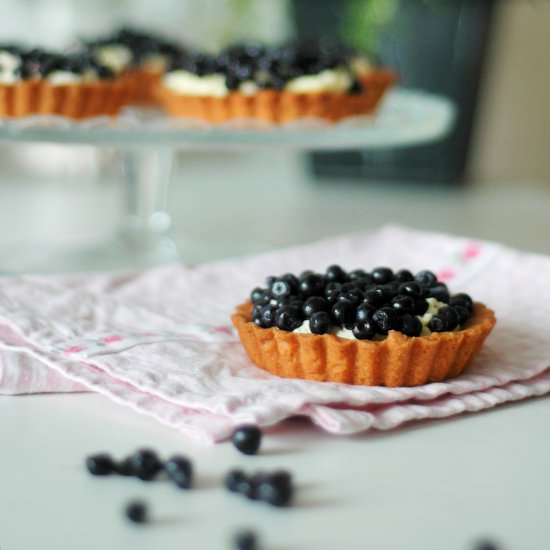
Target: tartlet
x=275 y=85
x=40 y=82
x=429 y=353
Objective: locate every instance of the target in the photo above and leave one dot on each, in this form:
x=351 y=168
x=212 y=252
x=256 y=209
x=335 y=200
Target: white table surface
x=436 y=485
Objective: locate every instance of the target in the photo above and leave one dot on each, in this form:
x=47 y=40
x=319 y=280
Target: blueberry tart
x=377 y=328
x=138 y=58
x=273 y=84
x=35 y=81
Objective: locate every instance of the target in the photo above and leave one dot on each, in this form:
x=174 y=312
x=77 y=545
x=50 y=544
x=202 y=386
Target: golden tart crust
x=398 y=360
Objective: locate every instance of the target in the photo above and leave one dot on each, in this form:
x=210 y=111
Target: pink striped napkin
x=160 y=341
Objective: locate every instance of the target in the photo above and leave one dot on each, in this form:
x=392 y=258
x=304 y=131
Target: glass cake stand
x=148 y=139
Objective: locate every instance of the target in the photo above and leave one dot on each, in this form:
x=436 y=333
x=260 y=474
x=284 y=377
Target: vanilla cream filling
x=115 y=57
x=185 y=83
x=9 y=63
x=433 y=308
x=330 y=80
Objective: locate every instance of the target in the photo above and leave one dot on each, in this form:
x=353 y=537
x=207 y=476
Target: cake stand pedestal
x=147 y=141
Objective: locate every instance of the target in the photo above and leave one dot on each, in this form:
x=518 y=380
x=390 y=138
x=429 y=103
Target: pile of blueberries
x=274 y=488
x=267 y=67
x=370 y=304
x=141 y=44
x=39 y=63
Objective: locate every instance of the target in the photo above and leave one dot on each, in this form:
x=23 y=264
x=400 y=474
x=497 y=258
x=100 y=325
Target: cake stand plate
x=148 y=139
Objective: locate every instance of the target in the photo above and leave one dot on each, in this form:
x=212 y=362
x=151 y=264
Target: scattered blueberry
x=247 y=439
x=180 y=470
x=124 y=467
x=145 y=464
x=233 y=478
x=136 y=511
x=100 y=464
x=246 y=540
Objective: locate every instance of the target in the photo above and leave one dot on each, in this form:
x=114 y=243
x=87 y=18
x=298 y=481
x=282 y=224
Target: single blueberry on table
x=180 y=470
x=136 y=511
x=246 y=540
x=233 y=478
x=100 y=464
x=247 y=439
x=145 y=464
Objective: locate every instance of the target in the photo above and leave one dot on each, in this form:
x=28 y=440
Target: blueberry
x=311 y=285
x=319 y=322
x=247 y=439
x=281 y=288
x=124 y=467
x=343 y=312
x=275 y=492
x=358 y=274
x=426 y=278
x=136 y=511
x=364 y=330
x=382 y=275
x=288 y=318
x=364 y=312
x=100 y=464
x=292 y=280
x=246 y=540
x=233 y=478
x=180 y=470
x=332 y=289
x=437 y=324
x=391 y=289
x=450 y=316
x=376 y=296
x=420 y=306
x=356 y=88
x=270 y=280
x=386 y=318
x=354 y=296
x=145 y=464
x=410 y=325
x=411 y=288
x=313 y=305
x=335 y=273
x=486 y=545
x=404 y=275
x=463 y=300
x=257 y=294
x=462 y=313
x=403 y=304
x=266 y=317
x=440 y=292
